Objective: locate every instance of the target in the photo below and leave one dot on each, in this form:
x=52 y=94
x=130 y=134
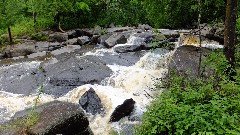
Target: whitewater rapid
x=136 y=82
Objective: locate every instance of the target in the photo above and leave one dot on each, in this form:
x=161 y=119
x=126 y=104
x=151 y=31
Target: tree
x=36 y=7
x=60 y=8
x=230 y=33
x=10 y=13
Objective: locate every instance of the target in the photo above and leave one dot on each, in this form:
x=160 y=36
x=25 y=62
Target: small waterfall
x=135 y=81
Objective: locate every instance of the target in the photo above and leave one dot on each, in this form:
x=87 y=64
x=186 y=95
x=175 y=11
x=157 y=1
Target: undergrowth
x=196 y=106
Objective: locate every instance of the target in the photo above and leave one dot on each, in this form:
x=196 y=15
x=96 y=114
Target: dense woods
x=87 y=13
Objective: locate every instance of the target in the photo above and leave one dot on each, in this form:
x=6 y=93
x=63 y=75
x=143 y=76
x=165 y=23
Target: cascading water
x=135 y=81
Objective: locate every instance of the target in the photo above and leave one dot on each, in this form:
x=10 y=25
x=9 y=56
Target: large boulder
x=58 y=37
x=91 y=103
x=70 y=72
x=50 y=119
x=21 y=78
x=81 y=32
x=186 y=60
x=122 y=110
x=114 y=39
x=22 y=49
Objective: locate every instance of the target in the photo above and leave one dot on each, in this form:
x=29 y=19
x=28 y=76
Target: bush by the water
x=190 y=106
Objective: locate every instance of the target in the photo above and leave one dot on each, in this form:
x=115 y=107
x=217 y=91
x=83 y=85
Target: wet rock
x=53 y=118
x=123 y=59
x=58 y=37
x=102 y=38
x=144 y=27
x=54 y=46
x=91 y=103
x=65 y=49
x=169 y=33
x=73 y=41
x=122 y=110
x=115 y=39
x=123 y=48
x=186 y=60
x=42 y=46
x=21 y=78
x=37 y=54
x=94 y=39
x=83 y=40
x=70 y=72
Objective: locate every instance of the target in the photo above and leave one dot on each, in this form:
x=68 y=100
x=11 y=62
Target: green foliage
x=191 y=106
x=10 y=12
x=180 y=13
x=122 y=12
x=39 y=37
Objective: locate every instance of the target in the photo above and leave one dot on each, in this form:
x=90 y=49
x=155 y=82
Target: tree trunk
x=10 y=36
x=230 y=33
x=57 y=19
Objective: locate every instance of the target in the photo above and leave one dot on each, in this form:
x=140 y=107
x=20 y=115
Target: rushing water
x=135 y=81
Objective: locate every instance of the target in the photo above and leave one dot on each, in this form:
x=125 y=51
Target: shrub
x=191 y=106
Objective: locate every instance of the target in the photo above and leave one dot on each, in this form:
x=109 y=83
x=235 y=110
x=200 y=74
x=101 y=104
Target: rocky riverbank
x=102 y=75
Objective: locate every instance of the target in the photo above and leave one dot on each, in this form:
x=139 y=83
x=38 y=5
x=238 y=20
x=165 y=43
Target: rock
x=123 y=59
x=73 y=41
x=81 y=33
x=65 y=49
x=70 y=72
x=62 y=73
x=144 y=27
x=83 y=40
x=169 y=33
x=123 y=48
x=1 y=56
x=115 y=39
x=53 y=118
x=194 y=40
x=71 y=34
x=42 y=46
x=91 y=103
x=94 y=39
x=23 y=49
x=37 y=54
x=21 y=78
x=58 y=37
x=118 y=29
x=103 y=38
x=122 y=110
x=54 y=46
x=186 y=60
